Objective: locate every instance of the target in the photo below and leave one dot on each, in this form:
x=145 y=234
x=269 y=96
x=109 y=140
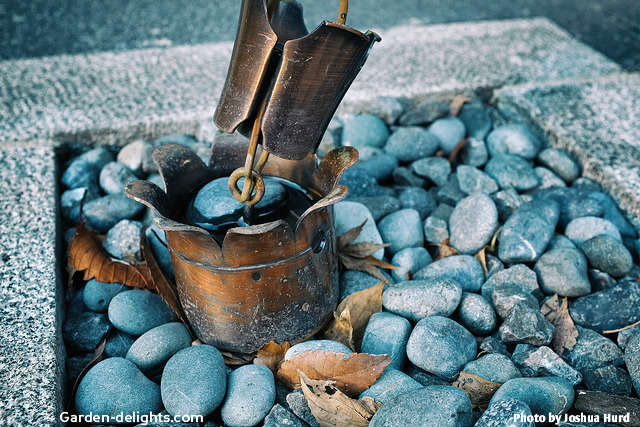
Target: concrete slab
x=31 y=351
x=598 y=120
x=112 y=98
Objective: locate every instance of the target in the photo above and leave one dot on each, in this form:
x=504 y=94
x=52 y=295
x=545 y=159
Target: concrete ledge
x=112 y=98
x=31 y=351
x=598 y=120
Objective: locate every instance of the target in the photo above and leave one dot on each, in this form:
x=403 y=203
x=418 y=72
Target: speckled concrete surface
x=144 y=93
x=598 y=120
x=31 y=353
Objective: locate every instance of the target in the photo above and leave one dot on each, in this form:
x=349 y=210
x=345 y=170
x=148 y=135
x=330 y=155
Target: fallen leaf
x=271 y=354
x=363 y=249
x=444 y=250
x=367 y=265
x=481 y=256
x=565 y=333
x=340 y=329
x=236 y=359
x=87 y=254
x=456 y=150
x=352 y=315
x=359 y=256
x=477 y=388
x=332 y=408
x=456 y=104
x=347 y=238
x=352 y=375
x=98 y=356
x=493 y=245
x=160 y=284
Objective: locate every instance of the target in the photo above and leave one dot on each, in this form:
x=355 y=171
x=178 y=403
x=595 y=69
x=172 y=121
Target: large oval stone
x=436 y=405
x=194 y=381
x=528 y=231
x=97 y=295
x=137 y=311
x=544 y=395
x=441 y=346
x=156 y=346
x=464 y=269
x=563 y=272
x=252 y=392
x=472 y=223
x=116 y=386
x=417 y=299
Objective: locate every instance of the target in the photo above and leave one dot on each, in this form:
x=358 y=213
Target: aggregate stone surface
x=118 y=97
x=597 y=121
x=31 y=352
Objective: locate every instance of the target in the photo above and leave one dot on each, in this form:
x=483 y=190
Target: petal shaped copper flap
x=252 y=50
x=312 y=78
x=182 y=172
x=149 y=195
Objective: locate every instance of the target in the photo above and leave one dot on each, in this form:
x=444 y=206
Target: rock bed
x=551 y=232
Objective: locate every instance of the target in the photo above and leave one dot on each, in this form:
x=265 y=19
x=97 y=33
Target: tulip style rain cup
x=273 y=277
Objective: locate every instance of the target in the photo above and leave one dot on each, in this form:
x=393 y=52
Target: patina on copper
x=273 y=281
x=300 y=78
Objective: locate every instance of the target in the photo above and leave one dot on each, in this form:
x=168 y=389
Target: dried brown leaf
x=271 y=354
x=236 y=359
x=456 y=150
x=444 y=250
x=456 y=104
x=477 y=388
x=493 y=245
x=482 y=257
x=363 y=249
x=86 y=254
x=167 y=290
x=347 y=238
x=565 y=333
x=367 y=265
x=331 y=408
x=352 y=315
x=340 y=329
x=352 y=375
x=98 y=356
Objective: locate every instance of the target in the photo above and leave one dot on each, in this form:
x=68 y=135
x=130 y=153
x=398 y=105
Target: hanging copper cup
x=297 y=79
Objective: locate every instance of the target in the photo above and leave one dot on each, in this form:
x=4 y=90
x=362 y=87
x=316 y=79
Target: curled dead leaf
x=271 y=354
x=444 y=250
x=456 y=150
x=359 y=256
x=340 y=329
x=456 y=104
x=477 y=388
x=87 y=255
x=565 y=333
x=98 y=356
x=352 y=315
x=481 y=256
x=352 y=375
x=331 y=408
x=236 y=359
x=160 y=284
x=347 y=238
